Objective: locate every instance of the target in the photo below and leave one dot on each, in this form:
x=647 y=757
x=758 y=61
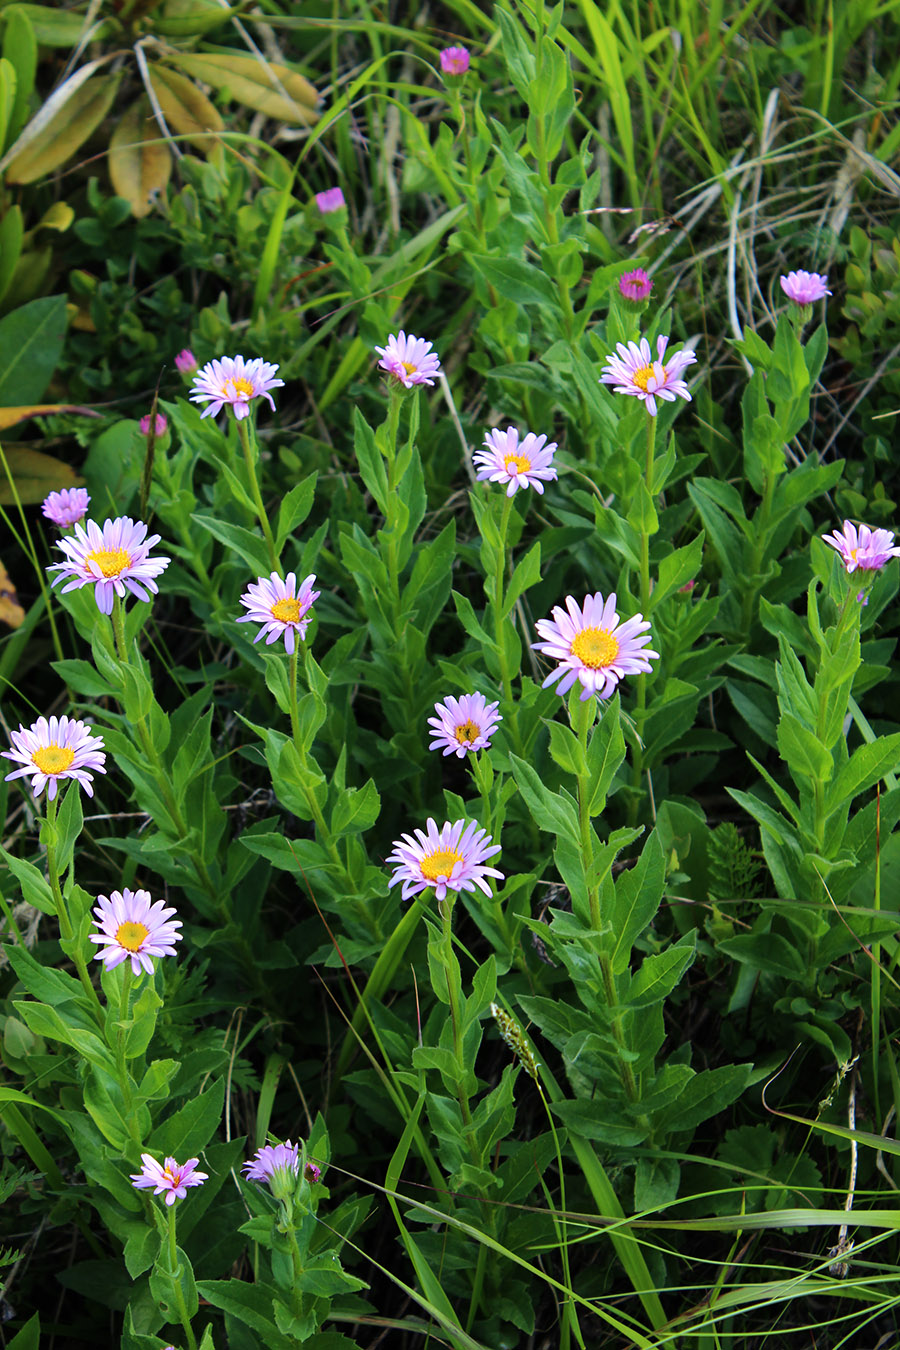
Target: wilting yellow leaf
x=66 y=132
x=9 y=417
x=140 y=162
x=257 y=84
x=59 y=216
x=187 y=111
x=34 y=473
x=11 y=612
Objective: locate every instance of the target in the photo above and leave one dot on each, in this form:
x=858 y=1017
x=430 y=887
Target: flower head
x=450 y=858
x=409 y=359
x=330 y=200
x=131 y=927
x=280 y=608
x=159 y=428
x=278 y=1164
x=463 y=724
x=520 y=464
x=172 y=1177
x=53 y=751
x=234 y=381
x=864 y=549
x=635 y=286
x=66 y=507
x=804 y=287
x=186 y=361
x=455 y=60
x=634 y=372
x=113 y=560
x=592 y=646
x=312 y=1172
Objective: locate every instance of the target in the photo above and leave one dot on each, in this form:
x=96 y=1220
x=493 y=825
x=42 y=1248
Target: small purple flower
x=633 y=371
x=864 y=549
x=520 y=464
x=409 y=360
x=312 y=1172
x=280 y=607
x=455 y=60
x=131 y=927
x=170 y=1177
x=53 y=751
x=330 y=200
x=186 y=362
x=66 y=507
x=114 y=560
x=635 y=286
x=450 y=858
x=463 y=724
x=804 y=288
x=277 y=1164
x=234 y=382
x=144 y=425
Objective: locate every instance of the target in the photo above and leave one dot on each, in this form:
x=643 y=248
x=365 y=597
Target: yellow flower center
x=521 y=463
x=53 y=758
x=111 y=561
x=440 y=864
x=131 y=935
x=409 y=367
x=642 y=377
x=853 y=554
x=595 y=647
x=467 y=732
x=286 y=610
x=242 y=388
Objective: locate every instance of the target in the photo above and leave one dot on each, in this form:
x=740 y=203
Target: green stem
x=66 y=931
x=640 y=711
x=760 y=540
x=183 y=1317
x=293 y=662
x=121 y=1065
x=446 y=910
x=250 y=461
x=498 y=597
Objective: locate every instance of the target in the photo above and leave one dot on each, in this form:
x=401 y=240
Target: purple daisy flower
x=455 y=60
x=113 y=560
x=330 y=200
x=864 y=549
x=635 y=372
x=592 y=646
x=635 y=286
x=521 y=464
x=236 y=382
x=409 y=359
x=131 y=927
x=170 y=1177
x=280 y=608
x=450 y=858
x=53 y=751
x=463 y=724
x=804 y=287
x=66 y=507
x=277 y=1164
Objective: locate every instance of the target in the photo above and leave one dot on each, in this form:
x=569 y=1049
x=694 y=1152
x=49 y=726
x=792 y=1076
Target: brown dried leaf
x=34 y=473
x=140 y=162
x=66 y=132
x=187 y=111
x=256 y=84
x=11 y=612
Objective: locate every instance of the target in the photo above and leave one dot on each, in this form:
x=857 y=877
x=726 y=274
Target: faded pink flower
x=235 y=383
x=864 y=549
x=635 y=372
x=161 y=424
x=186 y=362
x=170 y=1177
x=131 y=927
x=66 y=507
x=519 y=464
x=52 y=751
x=450 y=858
x=804 y=288
x=280 y=607
x=114 y=560
x=409 y=360
x=591 y=646
x=635 y=286
x=330 y=200
x=455 y=60
x=463 y=724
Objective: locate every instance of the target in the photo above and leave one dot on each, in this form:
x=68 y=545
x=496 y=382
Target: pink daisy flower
x=635 y=286
x=592 y=646
x=864 y=549
x=66 y=507
x=330 y=200
x=170 y=1177
x=129 y=926
x=280 y=608
x=52 y=751
x=804 y=287
x=455 y=60
x=236 y=382
x=409 y=359
x=144 y=425
x=277 y=1164
x=634 y=372
x=186 y=362
x=450 y=858
x=520 y=464
x=114 y=560
x=464 y=724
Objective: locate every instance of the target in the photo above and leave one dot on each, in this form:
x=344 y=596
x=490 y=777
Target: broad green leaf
x=659 y=974
x=801 y=749
x=31 y=341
